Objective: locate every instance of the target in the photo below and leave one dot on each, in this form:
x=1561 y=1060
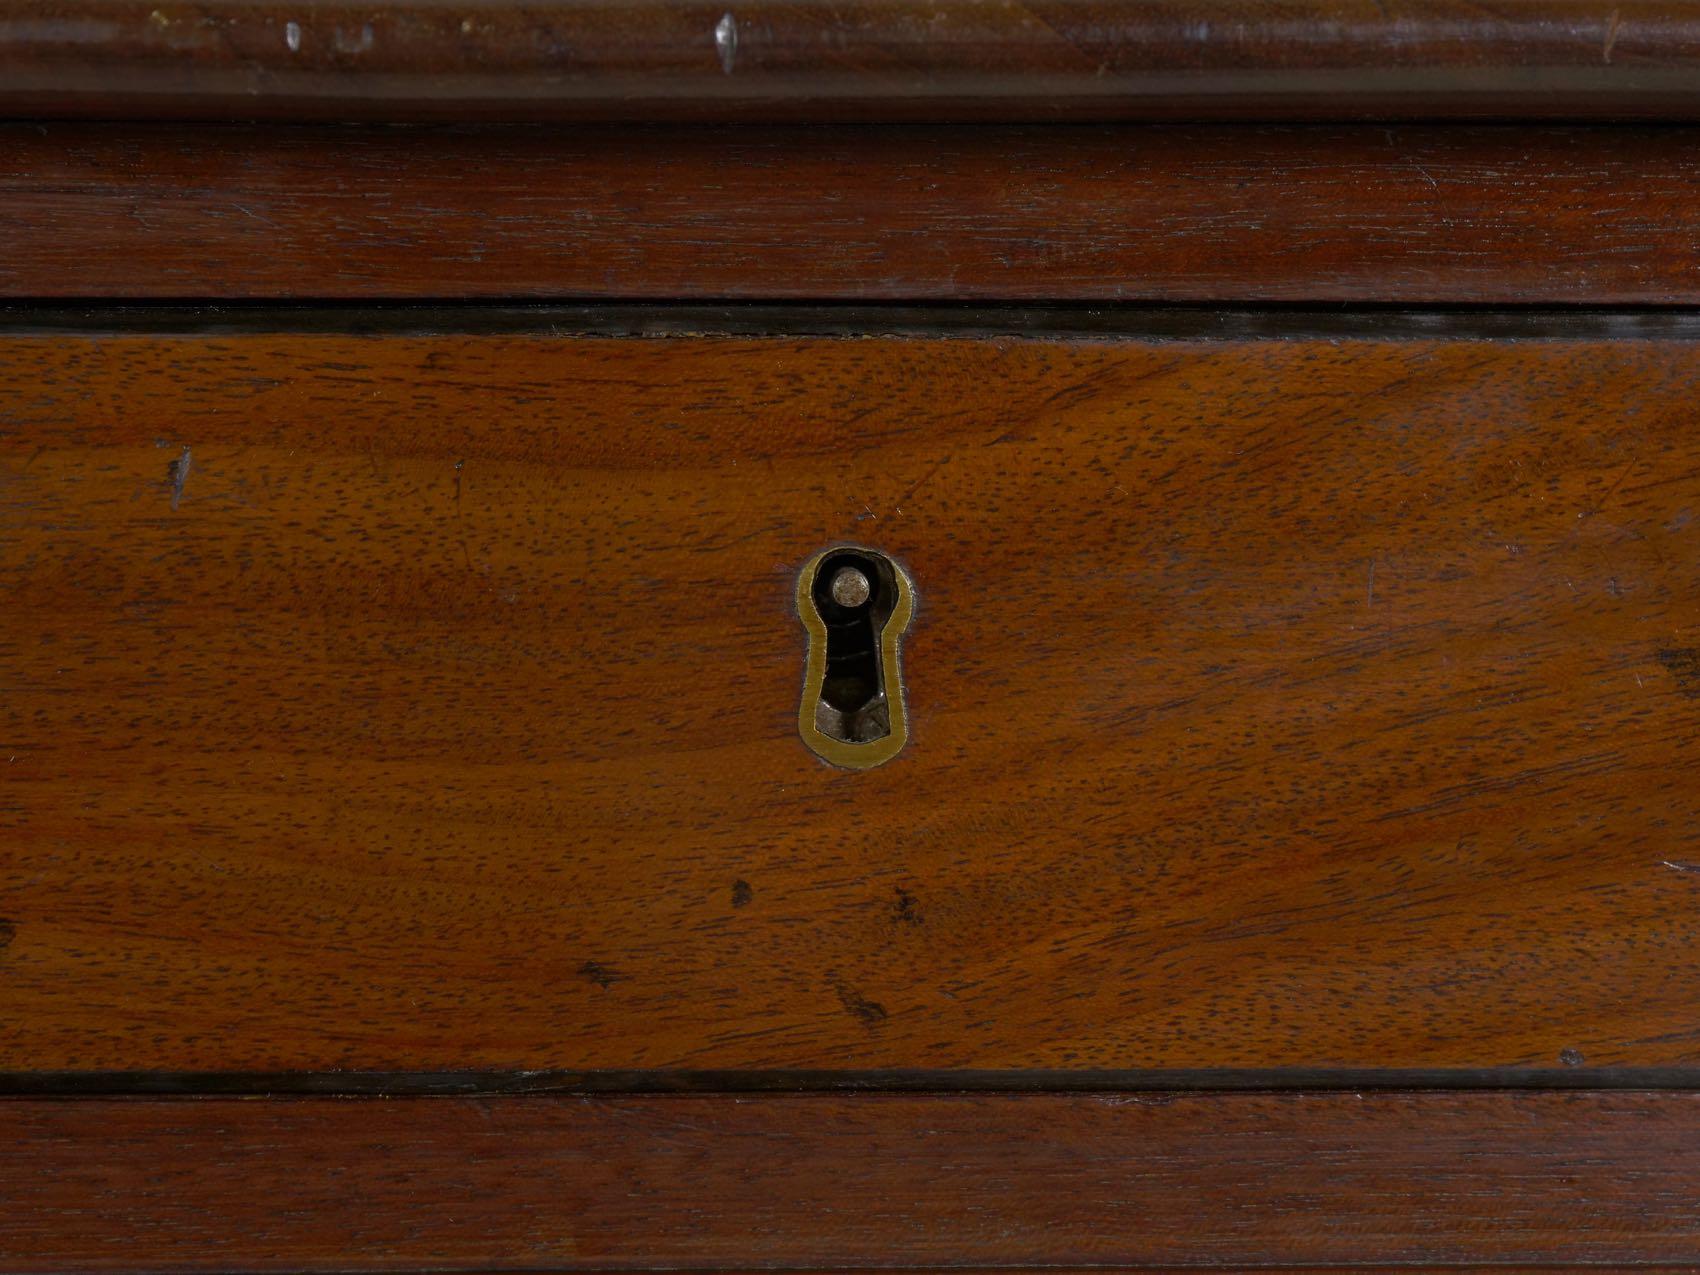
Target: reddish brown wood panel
x=430 y=702
x=1159 y=213
x=895 y=59
x=818 y=1181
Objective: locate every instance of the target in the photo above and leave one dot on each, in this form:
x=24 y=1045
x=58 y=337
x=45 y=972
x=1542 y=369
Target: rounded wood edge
x=899 y=60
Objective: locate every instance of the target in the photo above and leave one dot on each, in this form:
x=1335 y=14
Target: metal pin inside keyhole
x=855 y=604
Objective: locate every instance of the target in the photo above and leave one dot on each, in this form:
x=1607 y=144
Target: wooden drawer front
x=430 y=702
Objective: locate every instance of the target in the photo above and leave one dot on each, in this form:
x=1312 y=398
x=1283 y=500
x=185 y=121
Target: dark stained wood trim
x=903 y=59
x=1408 y=216
x=848 y=1181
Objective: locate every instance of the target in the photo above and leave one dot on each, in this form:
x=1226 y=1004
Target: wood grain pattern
x=820 y=1181
x=891 y=59
x=1408 y=215
x=429 y=703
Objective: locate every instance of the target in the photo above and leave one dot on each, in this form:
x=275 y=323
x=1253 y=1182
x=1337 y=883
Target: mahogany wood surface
x=1384 y=215
x=408 y=858
x=891 y=59
x=429 y=702
x=820 y=1181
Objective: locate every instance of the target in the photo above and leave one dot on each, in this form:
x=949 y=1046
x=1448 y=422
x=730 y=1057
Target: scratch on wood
x=1610 y=492
x=726 y=42
x=919 y=483
x=177 y=475
x=460 y=521
x=870 y=1013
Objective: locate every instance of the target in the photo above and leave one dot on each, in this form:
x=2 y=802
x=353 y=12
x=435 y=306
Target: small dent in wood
x=601 y=975
x=1682 y=663
x=904 y=909
x=361 y=41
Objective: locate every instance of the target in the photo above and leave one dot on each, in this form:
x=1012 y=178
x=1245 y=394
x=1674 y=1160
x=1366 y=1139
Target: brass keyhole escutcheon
x=855 y=604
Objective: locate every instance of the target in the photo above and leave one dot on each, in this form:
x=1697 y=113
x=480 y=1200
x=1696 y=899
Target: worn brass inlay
x=855 y=604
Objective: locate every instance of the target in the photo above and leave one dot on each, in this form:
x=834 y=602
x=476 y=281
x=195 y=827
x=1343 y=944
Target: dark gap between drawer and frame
x=532 y=1083
x=970 y=321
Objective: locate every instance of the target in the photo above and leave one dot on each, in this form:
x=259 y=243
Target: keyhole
x=855 y=604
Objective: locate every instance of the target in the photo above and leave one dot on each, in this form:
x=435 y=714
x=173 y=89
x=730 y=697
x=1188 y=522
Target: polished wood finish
x=429 y=702
x=847 y=1181
x=409 y=860
x=891 y=59
x=1163 y=213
